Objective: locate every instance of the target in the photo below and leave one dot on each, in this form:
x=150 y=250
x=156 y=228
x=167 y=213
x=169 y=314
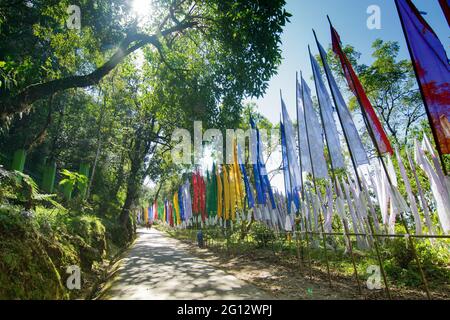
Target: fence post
x=48 y=177
x=18 y=162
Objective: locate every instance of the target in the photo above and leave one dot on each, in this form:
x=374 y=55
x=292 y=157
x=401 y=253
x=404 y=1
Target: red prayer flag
x=202 y=197
x=171 y=214
x=432 y=70
x=355 y=85
x=195 y=193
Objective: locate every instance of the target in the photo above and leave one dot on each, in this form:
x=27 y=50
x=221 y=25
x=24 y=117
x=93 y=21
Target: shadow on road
x=157 y=267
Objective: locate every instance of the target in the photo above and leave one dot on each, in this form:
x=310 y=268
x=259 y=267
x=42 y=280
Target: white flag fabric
x=326 y=110
x=340 y=208
x=302 y=138
x=355 y=224
x=411 y=198
x=393 y=210
x=354 y=141
x=423 y=200
x=373 y=212
x=383 y=192
x=438 y=187
x=287 y=224
x=316 y=210
x=437 y=165
x=426 y=145
x=360 y=207
x=398 y=204
x=294 y=166
x=330 y=202
x=313 y=128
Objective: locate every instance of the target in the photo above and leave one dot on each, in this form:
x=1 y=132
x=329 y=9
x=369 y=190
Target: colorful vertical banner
x=328 y=123
x=293 y=164
x=354 y=141
x=262 y=182
x=314 y=132
x=248 y=190
x=220 y=195
x=286 y=174
x=432 y=70
x=381 y=139
x=303 y=145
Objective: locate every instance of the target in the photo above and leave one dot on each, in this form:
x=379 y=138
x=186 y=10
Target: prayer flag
x=381 y=139
x=326 y=110
x=432 y=68
x=315 y=139
x=354 y=141
x=291 y=154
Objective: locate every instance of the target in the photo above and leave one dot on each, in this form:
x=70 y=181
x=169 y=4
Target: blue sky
x=349 y=17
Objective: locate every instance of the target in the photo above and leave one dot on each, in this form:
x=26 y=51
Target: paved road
x=158 y=267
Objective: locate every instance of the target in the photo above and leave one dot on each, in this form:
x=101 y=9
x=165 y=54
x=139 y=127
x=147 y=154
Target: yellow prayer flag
x=177 y=208
x=233 y=195
x=238 y=179
x=226 y=188
x=219 y=193
x=145 y=215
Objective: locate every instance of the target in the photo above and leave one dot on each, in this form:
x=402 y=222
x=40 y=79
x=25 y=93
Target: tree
x=390 y=85
x=240 y=38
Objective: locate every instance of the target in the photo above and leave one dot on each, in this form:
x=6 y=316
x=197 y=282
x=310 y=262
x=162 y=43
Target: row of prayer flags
x=227 y=189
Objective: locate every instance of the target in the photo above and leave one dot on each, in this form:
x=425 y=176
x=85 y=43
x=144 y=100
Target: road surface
x=158 y=267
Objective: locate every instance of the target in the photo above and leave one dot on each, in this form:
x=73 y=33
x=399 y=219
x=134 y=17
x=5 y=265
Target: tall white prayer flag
x=411 y=198
x=423 y=201
x=326 y=110
x=354 y=141
x=294 y=167
x=355 y=224
x=314 y=132
x=383 y=193
x=302 y=138
x=438 y=187
x=398 y=204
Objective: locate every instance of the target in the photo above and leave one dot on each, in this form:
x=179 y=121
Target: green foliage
x=74 y=180
x=402 y=267
x=263 y=235
x=37 y=250
x=19 y=188
x=26 y=269
x=391 y=87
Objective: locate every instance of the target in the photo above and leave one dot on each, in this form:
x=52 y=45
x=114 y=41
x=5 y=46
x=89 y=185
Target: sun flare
x=142 y=7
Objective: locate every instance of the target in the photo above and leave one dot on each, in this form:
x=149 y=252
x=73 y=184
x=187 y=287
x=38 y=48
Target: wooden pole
x=377 y=249
x=380 y=156
x=300 y=158
x=350 y=246
x=317 y=192
x=290 y=183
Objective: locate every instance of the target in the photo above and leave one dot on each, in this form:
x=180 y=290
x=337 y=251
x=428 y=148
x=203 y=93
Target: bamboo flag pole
x=380 y=156
x=317 y=191
x=333 y=174
x=300 y=162
x=298 y=132
x=355 y=168
x=298 y=212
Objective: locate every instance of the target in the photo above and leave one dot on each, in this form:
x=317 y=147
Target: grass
x=398 y=261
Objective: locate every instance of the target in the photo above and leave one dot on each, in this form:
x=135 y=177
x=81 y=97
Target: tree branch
x=22 y=102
